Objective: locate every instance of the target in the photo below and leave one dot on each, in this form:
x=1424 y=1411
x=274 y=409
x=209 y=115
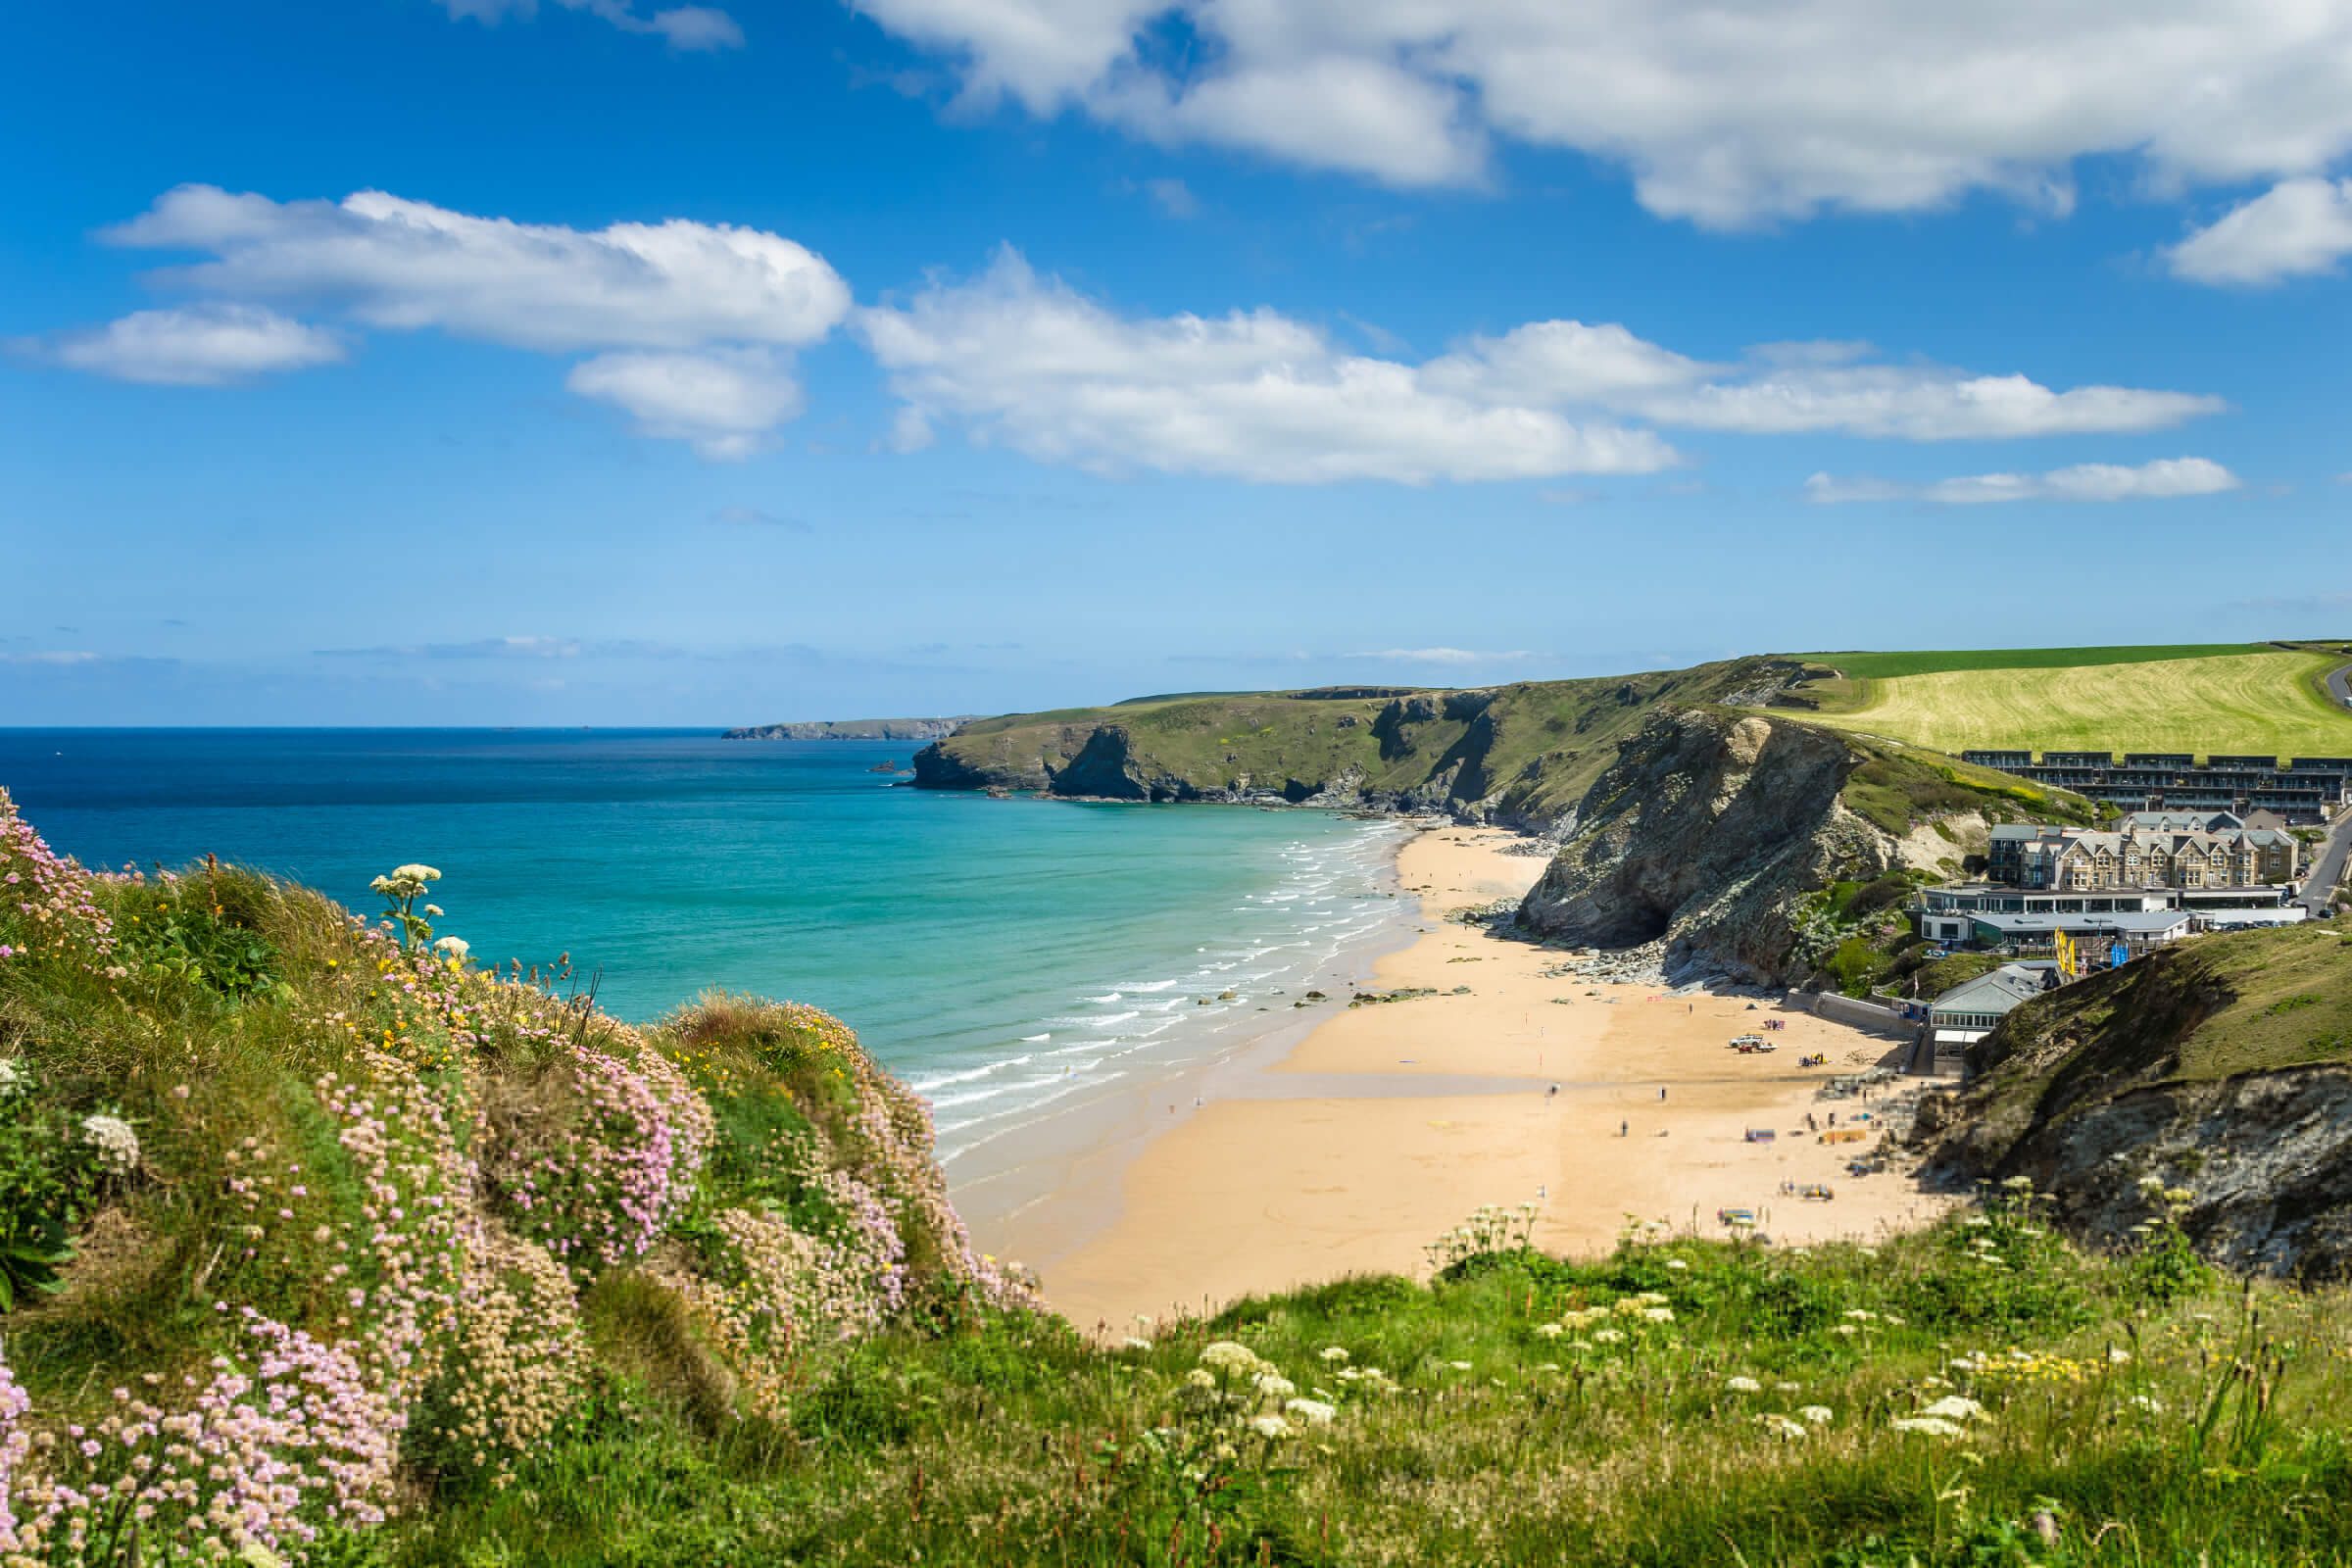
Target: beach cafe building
x=1968 y=1012
x=1985 y=914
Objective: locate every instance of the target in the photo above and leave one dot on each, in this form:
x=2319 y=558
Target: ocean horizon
x=1002 y=957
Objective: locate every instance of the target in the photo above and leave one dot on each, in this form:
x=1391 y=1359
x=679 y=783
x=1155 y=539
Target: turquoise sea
x=1000 y=956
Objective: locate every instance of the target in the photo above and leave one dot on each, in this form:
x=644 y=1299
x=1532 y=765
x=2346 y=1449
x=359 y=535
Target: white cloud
x=204 y=345
x=1785 y=388
x=725 y=401
x=1032 y=364
x=1726 y=114
x=1173 y=197
x=62 y=657
x=2297 y=227
x=696 y=321
x=2162 y=479
x=689 y=28
x=405 y=265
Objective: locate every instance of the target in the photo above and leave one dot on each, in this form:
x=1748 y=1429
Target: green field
x=1876 y=666
x=2169 y=700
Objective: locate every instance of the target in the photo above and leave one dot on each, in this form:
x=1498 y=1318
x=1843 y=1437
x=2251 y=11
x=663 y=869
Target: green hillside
x=1531 y=749
x=2268 y=700
x=1878 y=666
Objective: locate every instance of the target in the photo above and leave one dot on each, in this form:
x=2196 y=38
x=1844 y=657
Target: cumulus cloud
x=2162 y=479
x=725 y=401
x=405 y=265
x=693 y=323
x=2295 y=228
x=203 y=345
x=1029 y=363
x=687 y=28
x=1726 y=114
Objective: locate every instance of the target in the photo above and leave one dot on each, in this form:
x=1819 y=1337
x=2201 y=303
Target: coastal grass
x=2268 y=702
x=1518 y=1409
x=1885 y=666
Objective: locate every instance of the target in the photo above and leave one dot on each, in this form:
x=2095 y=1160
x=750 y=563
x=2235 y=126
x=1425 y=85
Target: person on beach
x=1625 y=1129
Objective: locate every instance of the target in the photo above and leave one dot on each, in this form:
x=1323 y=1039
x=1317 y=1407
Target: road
x=2319 y=888
x=2340 y=685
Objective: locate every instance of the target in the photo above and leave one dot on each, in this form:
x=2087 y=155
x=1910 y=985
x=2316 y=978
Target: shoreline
x=1346 y=1141
x=1036 y=1188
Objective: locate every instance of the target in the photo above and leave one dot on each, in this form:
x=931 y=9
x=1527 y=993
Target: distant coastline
x=851 y=729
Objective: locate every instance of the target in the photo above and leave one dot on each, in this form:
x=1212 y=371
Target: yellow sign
x=2069 y=958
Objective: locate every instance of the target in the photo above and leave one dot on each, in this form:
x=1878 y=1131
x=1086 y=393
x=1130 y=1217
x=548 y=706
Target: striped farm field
x=2270 y=703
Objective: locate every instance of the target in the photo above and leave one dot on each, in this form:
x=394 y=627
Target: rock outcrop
x=2222 y=1065
x=1703 y=837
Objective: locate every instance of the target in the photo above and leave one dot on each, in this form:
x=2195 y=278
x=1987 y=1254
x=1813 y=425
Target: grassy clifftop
x=2214 y=1008
x=1521 y=752
x=2245 y=698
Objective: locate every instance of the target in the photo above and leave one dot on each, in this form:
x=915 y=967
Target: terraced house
x=2147 y=850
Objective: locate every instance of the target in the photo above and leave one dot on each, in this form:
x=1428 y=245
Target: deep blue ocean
x=997 y=955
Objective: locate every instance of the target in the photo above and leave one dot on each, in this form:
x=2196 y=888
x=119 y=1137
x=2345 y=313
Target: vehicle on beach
x=1749 y=1045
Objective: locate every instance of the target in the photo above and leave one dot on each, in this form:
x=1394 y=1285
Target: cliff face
x=1704 y=836
x=2223 y=1065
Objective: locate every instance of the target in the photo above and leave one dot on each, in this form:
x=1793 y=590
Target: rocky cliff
x=851 y=729
x=1748 y=847
x=1704 y=837
x=2223 y=1065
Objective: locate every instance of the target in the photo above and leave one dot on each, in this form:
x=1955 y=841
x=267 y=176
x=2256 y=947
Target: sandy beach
x=1377 y=1126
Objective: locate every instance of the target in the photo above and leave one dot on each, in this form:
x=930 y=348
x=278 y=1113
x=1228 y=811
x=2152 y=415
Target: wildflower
x=1819 y=1415
x=2146 y=1404
x=1198 y=1379
x=1928 y=1425
x=1786 y=1388
x=117 y=1144
x=1332 y=1356
x=12 y=1078
x=1270 y=1426
x=1677 y=1264
x=453 y=947
x=1657 y=1314
x=1608 y=1336
x=1459 y=1366
x=1743 y=1384
x=1314 y=1413
x=1227 y=1356
x=1131 y=1342
x=1274 y=1386
x=1955 y=1407
x=1780 y=1426
x=1550 y=1330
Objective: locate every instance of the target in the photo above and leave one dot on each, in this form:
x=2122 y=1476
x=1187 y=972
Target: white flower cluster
x=117 y=1144
x=404 y=882
x=13 y=1079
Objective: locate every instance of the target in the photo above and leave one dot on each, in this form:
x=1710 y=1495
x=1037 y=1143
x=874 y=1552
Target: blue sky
x=483 y=362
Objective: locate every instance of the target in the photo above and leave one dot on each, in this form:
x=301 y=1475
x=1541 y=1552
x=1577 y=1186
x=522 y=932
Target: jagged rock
x=1701 y=839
